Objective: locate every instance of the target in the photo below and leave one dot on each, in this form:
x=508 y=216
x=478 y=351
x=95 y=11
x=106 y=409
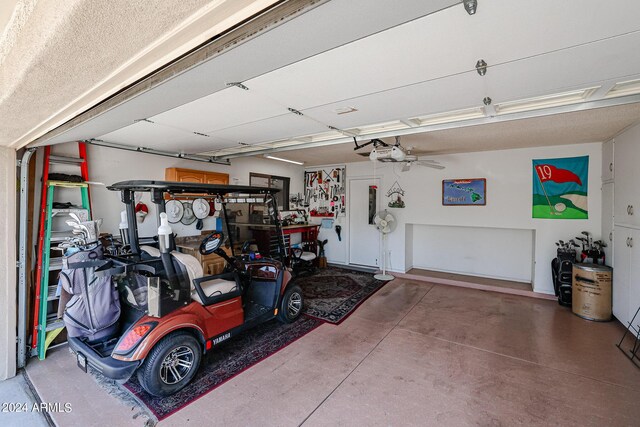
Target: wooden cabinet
x=192 y=175
x=216 y=178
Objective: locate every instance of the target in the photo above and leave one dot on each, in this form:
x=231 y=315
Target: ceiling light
x=283 y=160
x=630 y=87
x=470 y=6
x=452 y=116
x=377 y=128
x=547 y=101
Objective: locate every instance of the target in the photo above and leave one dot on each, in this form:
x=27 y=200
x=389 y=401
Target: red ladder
x=84 y=172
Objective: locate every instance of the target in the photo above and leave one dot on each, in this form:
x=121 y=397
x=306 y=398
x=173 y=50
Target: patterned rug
x=226 y=361
x=332 y=294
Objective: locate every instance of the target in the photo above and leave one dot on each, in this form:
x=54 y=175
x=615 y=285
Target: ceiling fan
x=411 y=160
x=383 y=152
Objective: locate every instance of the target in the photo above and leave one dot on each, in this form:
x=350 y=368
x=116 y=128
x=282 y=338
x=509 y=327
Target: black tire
x=160 y=380
x=291 y=304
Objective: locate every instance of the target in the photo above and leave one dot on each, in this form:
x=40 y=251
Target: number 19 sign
x=560 y=188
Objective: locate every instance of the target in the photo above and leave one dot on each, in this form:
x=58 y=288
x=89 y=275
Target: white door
x=364 y=239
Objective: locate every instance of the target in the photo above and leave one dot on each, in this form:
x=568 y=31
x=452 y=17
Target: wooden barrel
x=591 y=292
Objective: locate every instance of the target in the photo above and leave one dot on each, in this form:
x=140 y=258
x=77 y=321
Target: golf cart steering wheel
x=211 y=243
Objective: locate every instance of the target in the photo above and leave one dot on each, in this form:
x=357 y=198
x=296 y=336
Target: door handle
x=630 y=209
x=611 y=236
x=627 y=241
x=611 y=167
x=630 y=242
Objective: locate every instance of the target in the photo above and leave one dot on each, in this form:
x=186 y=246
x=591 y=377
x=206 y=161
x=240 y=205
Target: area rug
x=226 y=361
x=332 y=294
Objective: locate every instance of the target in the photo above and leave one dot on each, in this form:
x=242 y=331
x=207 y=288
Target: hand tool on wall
x=338 y=231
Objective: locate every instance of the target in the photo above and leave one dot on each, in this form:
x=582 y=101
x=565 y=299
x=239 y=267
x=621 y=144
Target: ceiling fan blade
x=430 y=164
x=434 y=166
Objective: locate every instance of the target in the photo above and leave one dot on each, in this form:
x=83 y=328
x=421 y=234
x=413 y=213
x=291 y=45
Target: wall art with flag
x=560 y=188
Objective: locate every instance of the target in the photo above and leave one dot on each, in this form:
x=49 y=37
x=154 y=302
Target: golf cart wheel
x=291 y=305
x=171 y=364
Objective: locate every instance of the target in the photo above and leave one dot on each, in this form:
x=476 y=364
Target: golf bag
x=94 y=308
x=561 y=272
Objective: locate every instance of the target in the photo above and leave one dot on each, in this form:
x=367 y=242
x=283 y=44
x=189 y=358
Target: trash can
x=591 y=292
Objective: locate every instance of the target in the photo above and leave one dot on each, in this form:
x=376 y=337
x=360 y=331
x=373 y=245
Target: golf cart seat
x=303 y=255
x=194 y=271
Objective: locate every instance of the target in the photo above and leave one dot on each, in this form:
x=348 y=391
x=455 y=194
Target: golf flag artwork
x=560 y=188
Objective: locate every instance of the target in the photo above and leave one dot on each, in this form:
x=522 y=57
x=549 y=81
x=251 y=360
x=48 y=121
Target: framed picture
x=464 y=192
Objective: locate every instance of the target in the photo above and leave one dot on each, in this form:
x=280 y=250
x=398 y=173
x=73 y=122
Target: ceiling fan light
x=397 y=154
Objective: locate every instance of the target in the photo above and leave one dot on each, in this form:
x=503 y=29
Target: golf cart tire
x=149 y=374
x=284 y=313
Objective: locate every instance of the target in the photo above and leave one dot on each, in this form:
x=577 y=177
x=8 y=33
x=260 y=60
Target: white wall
x=109 y=166
x=8 y=263
x=498 y=253
x=509 y=189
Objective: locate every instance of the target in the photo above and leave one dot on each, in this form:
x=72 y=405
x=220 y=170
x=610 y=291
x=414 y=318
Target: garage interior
x=297 y=95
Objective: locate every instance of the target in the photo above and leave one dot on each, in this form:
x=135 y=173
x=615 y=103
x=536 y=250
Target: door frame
x=350 y=207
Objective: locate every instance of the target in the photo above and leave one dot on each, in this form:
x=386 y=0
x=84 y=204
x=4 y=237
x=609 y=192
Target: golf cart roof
x=186 y=187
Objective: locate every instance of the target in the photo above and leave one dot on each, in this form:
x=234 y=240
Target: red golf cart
x=171 y=313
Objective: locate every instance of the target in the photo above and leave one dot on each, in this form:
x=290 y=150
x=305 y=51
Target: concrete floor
x=20 y=407
x=413 y=354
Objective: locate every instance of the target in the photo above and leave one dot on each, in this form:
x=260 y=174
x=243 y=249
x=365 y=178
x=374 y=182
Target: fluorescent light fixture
x=283 y=160
x=377 y=128
x=448 y=117
x=547 y=101
x=630 y=87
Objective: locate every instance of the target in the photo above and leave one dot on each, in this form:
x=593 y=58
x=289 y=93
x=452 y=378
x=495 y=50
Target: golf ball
x=560 y=207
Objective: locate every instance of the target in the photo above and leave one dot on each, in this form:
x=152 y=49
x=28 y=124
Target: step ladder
x=46 y=325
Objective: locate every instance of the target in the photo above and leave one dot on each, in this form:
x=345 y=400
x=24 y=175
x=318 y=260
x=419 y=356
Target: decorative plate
x=174 y=210
x=200 y=208
x=188 y=217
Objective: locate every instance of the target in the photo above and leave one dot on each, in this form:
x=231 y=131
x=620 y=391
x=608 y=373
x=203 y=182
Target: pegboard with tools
x=324 y=193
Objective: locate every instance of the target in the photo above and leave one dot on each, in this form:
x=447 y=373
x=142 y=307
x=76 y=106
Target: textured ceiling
x=52 y=53
x=570 y=128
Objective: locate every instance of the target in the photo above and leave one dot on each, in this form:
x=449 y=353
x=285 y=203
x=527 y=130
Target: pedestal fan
x=385 y=223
